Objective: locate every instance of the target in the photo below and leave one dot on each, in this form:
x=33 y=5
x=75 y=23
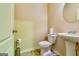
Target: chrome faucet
x=71 y=32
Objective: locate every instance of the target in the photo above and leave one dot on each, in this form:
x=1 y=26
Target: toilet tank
x=52 y=38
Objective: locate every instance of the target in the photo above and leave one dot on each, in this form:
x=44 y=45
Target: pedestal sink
x=70 y=42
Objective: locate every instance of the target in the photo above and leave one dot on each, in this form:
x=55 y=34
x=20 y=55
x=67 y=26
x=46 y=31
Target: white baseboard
x=28 y=50
x=31 y=49
x=57 y=52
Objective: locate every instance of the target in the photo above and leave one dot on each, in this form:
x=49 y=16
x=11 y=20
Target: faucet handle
x=72 y=32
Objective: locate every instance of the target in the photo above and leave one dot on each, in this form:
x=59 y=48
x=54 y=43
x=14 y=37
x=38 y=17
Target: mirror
x=71 y=12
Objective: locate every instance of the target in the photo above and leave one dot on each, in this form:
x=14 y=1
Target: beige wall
x=32 y=14
x=37 y=15
x=56 y=20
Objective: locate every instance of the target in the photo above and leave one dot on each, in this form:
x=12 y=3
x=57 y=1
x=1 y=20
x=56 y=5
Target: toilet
x=45 y=45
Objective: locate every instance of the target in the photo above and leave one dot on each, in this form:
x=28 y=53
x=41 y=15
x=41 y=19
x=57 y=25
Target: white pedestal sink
x=70 y=42
x=70 y=48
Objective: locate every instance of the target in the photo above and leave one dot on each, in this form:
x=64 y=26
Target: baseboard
x=28 y=50
x=57 y=52
x=31 y=49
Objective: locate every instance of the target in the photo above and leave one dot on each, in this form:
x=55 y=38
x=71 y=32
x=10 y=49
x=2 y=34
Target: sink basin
x=70 y=36
x=70 y=42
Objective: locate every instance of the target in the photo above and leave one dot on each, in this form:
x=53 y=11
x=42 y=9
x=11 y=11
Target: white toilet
x=45 y=45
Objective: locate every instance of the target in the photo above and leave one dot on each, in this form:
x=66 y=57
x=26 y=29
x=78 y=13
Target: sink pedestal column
x=70 y=48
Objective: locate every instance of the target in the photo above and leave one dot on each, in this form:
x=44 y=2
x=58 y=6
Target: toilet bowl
x=45 y=45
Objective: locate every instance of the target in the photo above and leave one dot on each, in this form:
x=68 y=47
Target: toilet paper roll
x=19 y=40
x=51 y=31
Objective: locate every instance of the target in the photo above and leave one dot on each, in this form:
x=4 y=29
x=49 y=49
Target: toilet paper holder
x=17 y=51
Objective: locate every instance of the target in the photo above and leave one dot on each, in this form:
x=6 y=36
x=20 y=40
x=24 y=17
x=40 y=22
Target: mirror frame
x=64 y=15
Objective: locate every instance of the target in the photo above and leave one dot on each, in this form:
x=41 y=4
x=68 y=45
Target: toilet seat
x=44 y=44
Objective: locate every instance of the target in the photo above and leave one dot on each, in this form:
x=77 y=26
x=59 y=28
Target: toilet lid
x=44 y=43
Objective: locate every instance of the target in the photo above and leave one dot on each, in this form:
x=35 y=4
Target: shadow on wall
x=25 y=32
